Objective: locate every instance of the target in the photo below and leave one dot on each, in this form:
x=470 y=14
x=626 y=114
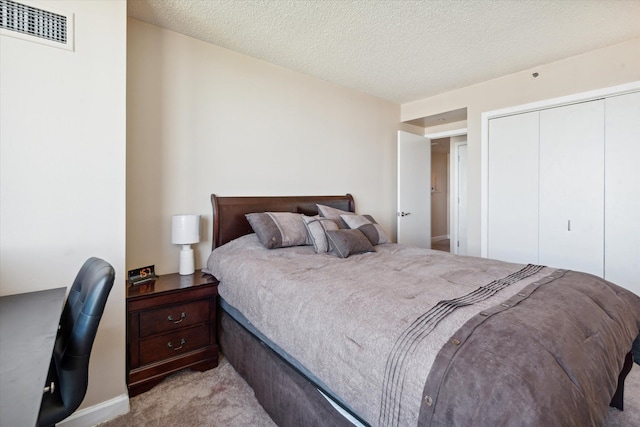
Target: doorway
x=454 y=144
x=440 y=224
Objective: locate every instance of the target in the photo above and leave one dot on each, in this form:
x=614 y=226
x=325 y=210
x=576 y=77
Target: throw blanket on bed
x=559 y=369
x=370 y=326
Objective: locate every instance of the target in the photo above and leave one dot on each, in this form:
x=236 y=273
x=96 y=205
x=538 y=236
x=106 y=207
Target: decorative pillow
x=343 y=243
x=334 y=214
x=278 y=229
x=316 y=226
x=368 y=226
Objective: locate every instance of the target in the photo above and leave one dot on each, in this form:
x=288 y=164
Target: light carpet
x=220 y=397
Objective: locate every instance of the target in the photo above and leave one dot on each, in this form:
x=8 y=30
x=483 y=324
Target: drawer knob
x=182 y=343
x=182 y=316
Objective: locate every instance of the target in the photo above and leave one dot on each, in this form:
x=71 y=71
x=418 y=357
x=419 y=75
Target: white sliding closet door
x=622 y=189
x=513 y=188
x=571 y=219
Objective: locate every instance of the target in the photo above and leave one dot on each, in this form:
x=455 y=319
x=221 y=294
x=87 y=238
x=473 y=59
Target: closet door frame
x=549 y=103
x=622 y=209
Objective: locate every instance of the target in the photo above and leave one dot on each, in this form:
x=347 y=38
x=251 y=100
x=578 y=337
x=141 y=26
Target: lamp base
x=187 y=265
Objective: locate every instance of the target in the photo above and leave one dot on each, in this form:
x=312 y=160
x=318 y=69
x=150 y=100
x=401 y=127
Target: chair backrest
x=78 y=327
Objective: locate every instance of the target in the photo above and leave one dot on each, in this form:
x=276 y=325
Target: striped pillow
x=334 y=214
x=278 y=229
x=368 y=226
x=343 y=243
x=316 y=227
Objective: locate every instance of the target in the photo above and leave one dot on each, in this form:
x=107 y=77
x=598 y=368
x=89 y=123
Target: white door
x=414 y=190
x=572 y=187
x=512 y=211
x=461 y=244
x=622 y=189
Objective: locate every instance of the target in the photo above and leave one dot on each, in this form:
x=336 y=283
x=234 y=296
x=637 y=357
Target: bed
x=408 y=336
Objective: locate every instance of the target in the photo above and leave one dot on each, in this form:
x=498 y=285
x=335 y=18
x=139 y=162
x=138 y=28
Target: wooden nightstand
x=171 y=325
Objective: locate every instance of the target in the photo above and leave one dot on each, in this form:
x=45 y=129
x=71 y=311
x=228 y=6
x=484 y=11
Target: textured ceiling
x=400 y=50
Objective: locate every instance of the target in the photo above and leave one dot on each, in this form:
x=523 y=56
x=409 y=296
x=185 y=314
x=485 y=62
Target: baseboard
x=438 y=238
x=99 y=413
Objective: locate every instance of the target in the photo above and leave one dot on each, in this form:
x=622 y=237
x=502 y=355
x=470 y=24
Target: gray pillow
x=278 y=229
x=334 y=214
x=343 y=243
x=316 y=227
x=368 y=226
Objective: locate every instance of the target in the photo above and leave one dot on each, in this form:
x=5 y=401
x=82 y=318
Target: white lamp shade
x=185 y=229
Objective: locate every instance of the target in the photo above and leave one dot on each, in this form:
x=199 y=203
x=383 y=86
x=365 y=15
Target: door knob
x=404 y=213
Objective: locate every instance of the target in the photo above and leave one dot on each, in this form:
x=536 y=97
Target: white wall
x=62 y=169
x=203 y=119
x=601 y=68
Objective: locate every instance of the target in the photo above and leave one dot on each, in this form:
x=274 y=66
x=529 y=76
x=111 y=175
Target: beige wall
x=62 y=171
x=203 y=119
x=601 y=68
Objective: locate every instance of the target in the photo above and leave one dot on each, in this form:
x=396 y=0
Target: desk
x=28 y=327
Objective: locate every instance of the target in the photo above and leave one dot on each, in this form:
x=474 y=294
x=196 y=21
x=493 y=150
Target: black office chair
x=69 y=370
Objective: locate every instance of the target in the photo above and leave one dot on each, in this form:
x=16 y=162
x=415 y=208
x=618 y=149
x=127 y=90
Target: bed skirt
x=285 y=394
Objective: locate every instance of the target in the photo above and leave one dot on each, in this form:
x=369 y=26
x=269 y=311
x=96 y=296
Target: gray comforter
x=407 y=335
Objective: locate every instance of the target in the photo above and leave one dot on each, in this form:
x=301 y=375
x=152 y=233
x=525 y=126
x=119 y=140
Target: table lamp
x=185 y=230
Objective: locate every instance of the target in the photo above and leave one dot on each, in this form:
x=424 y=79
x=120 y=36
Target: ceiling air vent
x=26 y=21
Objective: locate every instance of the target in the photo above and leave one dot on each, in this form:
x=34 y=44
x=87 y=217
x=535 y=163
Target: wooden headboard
x=229 y=220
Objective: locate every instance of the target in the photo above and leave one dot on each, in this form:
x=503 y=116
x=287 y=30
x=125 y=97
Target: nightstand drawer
x=174 y=344
x=173 y=317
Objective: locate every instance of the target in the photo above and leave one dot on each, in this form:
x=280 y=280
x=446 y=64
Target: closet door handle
x=568 y=225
